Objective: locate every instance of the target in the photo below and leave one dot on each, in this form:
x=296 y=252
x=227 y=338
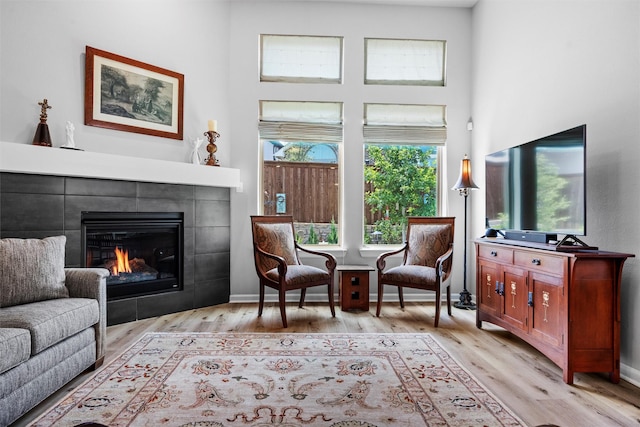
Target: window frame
x=411 y=133
x=321 y=132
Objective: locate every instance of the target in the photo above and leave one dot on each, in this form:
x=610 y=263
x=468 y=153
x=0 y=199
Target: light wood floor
x=521 y=377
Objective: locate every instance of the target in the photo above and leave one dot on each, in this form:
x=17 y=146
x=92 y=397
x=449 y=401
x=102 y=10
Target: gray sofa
x=52 y=322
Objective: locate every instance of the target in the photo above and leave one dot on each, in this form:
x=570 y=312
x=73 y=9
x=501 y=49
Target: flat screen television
x=539 y=186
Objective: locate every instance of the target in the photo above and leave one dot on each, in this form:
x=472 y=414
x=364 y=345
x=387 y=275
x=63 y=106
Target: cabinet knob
x=530 y=299
x=535 y=261
x=494 y=253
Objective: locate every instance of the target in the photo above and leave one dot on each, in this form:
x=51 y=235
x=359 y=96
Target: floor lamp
x=464 y=184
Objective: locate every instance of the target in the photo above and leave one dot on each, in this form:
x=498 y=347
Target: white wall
x=542 y=66
x=42 y=56
x=353 y=22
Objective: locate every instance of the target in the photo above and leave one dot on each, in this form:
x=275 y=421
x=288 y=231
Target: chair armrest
x=282 y=265
x=331 y=262
x=442 y=258
x=381 y=262
x=91 y=283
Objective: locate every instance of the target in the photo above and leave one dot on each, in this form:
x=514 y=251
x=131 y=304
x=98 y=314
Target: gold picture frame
x=131 y=96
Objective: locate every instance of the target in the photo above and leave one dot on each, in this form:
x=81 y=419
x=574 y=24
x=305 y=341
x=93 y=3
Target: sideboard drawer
x=497 y=254
x=539 y=262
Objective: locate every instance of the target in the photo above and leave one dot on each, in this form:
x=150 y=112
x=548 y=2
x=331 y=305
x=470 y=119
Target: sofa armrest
x=91 y=283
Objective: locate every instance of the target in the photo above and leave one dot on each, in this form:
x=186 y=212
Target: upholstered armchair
x=426 y=263
x=278 y=265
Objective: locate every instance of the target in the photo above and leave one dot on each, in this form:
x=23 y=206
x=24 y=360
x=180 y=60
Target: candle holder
x=212 y=148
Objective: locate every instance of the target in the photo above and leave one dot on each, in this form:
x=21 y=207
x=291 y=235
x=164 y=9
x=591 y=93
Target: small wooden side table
x=354 y=287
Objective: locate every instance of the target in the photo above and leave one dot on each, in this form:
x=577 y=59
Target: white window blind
x=300 y=59
x=405 y=62
x=298 y=121
x=405 y=124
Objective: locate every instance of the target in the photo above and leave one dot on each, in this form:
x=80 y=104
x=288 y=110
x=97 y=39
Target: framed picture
x=131 y=96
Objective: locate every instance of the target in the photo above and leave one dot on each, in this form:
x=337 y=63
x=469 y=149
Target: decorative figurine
x=70 y=128
x=42 y=136
x=195 y=154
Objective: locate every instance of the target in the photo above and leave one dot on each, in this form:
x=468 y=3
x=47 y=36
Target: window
x=405 y=62
x=300 y=166
x=300 y=59
x=401 y=152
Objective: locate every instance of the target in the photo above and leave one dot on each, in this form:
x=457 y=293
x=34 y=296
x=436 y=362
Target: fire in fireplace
x=143 y=251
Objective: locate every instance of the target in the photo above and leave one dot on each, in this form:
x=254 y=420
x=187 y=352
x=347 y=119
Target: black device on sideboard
x=530 y=236
x=491 y=232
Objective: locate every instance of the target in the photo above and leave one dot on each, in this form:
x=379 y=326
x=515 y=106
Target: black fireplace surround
x=36 y=206
x=143 y=251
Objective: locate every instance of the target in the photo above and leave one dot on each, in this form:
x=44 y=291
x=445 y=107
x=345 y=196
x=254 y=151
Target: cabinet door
x=488 y=285
x=515 y=309
x=547 y=308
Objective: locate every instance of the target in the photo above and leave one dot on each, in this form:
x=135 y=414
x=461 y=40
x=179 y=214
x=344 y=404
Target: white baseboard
x=630 y=374
x=627 y=373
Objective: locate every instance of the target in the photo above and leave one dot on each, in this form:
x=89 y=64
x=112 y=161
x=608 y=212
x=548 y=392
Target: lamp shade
x=465 y=181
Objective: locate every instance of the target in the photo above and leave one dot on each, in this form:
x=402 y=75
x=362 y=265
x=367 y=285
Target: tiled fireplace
x=44 y=191
x=36 y=206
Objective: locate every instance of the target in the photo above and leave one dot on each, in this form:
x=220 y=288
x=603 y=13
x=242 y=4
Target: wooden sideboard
x=564 y=303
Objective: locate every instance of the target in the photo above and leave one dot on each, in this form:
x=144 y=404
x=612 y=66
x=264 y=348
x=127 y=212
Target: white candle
x=213 y=125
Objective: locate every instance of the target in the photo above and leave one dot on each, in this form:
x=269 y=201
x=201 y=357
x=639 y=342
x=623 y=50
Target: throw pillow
x=32 y=270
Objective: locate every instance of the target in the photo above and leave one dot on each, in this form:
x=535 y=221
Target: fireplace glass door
x=142 y=251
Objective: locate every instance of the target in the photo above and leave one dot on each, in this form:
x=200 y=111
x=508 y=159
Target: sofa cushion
x=53 y=361
x=15 y=347
x=52 y=321
x=31 y=270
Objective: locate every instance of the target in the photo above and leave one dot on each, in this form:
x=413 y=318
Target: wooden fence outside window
x=311 y=190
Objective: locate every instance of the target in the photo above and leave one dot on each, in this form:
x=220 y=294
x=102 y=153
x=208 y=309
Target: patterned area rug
x=339 y=380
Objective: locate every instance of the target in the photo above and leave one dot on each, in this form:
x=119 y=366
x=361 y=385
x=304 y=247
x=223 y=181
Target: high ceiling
x=439 y=3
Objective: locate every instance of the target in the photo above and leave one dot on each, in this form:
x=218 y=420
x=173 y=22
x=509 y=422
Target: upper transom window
x=405 y=62
x=300 y=59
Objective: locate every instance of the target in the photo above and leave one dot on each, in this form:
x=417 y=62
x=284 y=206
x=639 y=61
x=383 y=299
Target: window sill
x=336 y=251
x=371 y=251
x=374 y=251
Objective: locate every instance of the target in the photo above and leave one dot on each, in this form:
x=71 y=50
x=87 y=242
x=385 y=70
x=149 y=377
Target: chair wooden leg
x=331 y=301
x=261 y=300
x=449 y=300
x=401 y=296
x=438 y=303
x=380 y=292
x=282 y=302
x=303 y=293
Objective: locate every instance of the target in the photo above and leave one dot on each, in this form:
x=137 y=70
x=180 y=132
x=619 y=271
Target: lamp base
x=465 y=302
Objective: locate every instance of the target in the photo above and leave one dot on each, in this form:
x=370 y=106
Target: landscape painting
x=132 y=96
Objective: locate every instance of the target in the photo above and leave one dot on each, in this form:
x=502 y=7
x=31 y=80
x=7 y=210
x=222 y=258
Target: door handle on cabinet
x=530 y=299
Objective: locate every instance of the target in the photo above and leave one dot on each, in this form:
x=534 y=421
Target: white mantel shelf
x=34 y=159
